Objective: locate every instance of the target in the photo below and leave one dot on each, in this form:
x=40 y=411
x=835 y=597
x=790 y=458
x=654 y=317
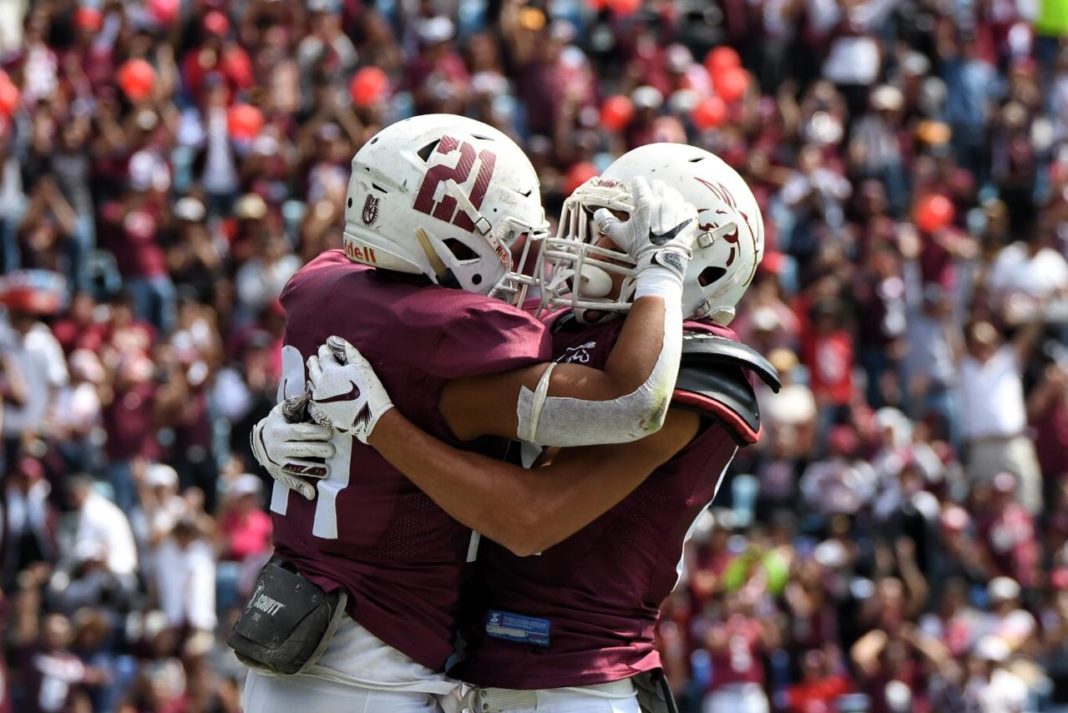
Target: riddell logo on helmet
x=361 y=254
x=370 y=210
x=502 y=252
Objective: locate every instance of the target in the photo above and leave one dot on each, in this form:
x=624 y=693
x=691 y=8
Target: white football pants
x=737 y=698
x=615 y=697
x=306 y=694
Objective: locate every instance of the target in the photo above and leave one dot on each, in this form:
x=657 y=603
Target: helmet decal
x=719 y=189
x=370 y=210
x=446 y=208
x=443 y=196
x=725 y=195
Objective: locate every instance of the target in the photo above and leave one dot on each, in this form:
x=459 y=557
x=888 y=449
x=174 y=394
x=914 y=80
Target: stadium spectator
x=993 y=412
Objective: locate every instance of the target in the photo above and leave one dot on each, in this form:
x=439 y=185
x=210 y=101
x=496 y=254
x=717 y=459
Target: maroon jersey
x=583 y=611
x=370 y=530
x=742 y=660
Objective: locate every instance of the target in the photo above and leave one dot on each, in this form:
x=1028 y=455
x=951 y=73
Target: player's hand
x=290 y=447
x=346 y=394
x=661 y=228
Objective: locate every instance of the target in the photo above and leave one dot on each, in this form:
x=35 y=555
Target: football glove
x=660 y=230
x=290 y=447
x=346 y=394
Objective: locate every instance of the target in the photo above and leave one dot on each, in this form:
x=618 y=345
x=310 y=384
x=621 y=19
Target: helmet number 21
x=444 y=208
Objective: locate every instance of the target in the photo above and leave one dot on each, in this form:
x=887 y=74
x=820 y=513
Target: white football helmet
x=443 y=196
x=579 y=274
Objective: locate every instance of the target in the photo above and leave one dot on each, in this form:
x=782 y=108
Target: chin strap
x=436 y=264
x=482 y=224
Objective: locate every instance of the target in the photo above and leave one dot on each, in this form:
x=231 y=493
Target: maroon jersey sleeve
x=506 y=338
x=443 y=333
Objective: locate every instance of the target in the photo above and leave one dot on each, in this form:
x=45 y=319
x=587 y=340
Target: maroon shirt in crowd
x=1011 y=541
x=1051 y=438
x=132 y=236
x=742 y=661
x=128 y=421
x=50 y=678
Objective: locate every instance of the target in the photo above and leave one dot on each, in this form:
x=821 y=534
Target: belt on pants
x=496 y=700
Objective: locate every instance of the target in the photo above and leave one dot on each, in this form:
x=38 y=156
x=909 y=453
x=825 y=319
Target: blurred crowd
x=897 y=542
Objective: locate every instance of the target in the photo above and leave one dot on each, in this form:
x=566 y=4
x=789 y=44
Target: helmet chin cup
x=722 y=316
x=593 y=281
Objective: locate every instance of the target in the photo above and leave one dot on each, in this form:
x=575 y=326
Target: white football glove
x=346 y=394
x=290 y=447
x=660 y=230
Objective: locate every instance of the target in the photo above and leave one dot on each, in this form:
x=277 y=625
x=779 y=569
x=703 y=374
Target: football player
x=572 y=629
x=358 y=610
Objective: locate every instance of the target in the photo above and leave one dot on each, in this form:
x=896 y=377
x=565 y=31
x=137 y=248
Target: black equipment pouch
x=654 y=692
x=287 y=622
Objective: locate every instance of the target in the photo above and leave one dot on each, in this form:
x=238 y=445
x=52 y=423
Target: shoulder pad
x=713 y=380
x=702 y=348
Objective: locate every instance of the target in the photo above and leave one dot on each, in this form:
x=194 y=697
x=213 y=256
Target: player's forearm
x=524 y=511
x=629 y=364
x=636 y=384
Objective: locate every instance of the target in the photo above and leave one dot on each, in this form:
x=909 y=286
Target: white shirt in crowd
x=26 y=511
x=41 y=363
x=185 y=577
x=991 y=396
x=838 y=486
x=220 y=172
x=852 y=59
x=792 y=407
x=12 y=18
x=258 y=282
x=103 y=527
x=1016 y=271
x=77 y=407
x=1004 y=692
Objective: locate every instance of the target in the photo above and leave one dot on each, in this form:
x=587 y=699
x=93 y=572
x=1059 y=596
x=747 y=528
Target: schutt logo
x=268 y=605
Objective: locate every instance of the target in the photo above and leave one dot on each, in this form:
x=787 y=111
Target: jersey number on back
x=325 y=524
x=445 y=207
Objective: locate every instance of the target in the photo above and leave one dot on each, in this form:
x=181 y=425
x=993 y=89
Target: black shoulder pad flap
x=723 y=392
x=713 y=380
x=700 y=349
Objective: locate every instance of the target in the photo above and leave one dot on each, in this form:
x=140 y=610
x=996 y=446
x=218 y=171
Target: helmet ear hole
x=710 y=275
x=424 y=153
x=459 y=250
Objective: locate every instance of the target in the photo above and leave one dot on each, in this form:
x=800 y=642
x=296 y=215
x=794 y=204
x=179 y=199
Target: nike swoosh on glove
x=660 y=230
x=345 y=392
x=291 y=448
